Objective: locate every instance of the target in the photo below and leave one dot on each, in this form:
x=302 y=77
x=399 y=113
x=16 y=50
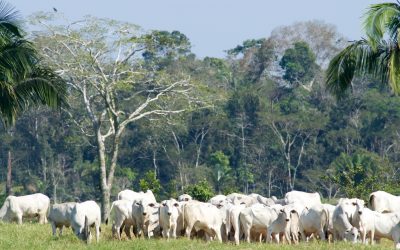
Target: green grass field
x=34 y=236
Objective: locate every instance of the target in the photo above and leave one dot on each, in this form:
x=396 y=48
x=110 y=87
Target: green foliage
x=299 y=63
x=220 y=164
x=149 y=181
x=360 y=174
x=24 y=80
x=201 y=191
x=377 y=56
x=248 y=44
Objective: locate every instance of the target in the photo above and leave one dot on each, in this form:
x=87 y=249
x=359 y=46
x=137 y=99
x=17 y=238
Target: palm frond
x=17 y=59
x=341 y=70
x=394 y=71
x=9 y=20
x=42 y=87
x=376 y=21
x=360 y=58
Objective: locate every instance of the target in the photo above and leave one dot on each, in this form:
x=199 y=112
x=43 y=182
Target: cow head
x=360 y=205
x=147 y=207
x=84 y=233
x=351 y=235
x=171 y=207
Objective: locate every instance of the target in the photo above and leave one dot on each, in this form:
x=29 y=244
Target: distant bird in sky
x=55 y=10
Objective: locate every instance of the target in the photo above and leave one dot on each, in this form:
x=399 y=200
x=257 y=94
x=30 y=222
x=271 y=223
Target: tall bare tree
x=115 y=74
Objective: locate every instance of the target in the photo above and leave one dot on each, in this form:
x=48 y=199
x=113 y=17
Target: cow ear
x=176 y=205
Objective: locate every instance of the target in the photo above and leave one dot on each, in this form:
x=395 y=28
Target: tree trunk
x=105 y=192
x=55 y=193
x=9 y=174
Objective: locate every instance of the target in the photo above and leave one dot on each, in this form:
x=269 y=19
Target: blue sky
x=213 y=25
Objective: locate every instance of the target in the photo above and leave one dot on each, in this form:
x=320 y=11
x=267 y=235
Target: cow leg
x=19 y=218
x=165 y=233
x=287 y=237
x=97 y=225
x=236 y=236
x=173 y=231
x=372 y=236
x=61 y=229
x=53 y=228
x=269 y=237
x=321 y=234
x=246 y=231
x=276 y=236
x=188 y=230
x=127 y=230
x=218 y=234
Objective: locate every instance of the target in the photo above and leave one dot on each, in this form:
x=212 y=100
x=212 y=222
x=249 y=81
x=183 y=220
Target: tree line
x=144 y=112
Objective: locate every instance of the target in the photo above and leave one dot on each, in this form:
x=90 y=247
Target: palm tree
x=378 y=55
x=23 y=81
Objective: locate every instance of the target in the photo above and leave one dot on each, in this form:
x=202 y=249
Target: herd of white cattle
x=298 y=216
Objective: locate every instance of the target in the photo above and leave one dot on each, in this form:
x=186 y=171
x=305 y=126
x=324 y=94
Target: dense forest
x=143 y=112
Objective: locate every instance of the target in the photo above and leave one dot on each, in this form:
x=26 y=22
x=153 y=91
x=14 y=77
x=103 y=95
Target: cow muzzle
x=287 y=219
x=144 y=214
x=169 y=213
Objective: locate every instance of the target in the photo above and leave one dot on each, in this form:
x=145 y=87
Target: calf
x=169 y=214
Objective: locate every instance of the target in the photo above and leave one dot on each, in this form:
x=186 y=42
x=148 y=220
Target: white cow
x=185 y=197
x=16 y=207
x=232 y=222
x=266 y=201
x=84 y=215
x=384 y=202
x=169 y=214
x=282 y=225
x=342 y=228
x=121 y=217
x=203 y=216
x=303 y=198
x=329 y=209
x=218 y=200
x=238 y=199
x=259 y=218
x=379 y=225
x=135 y=196
x=145 y=214
x=60 y=215
x=314 y=220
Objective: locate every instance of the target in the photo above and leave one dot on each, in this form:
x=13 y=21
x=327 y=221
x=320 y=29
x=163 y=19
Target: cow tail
x=111 y=211
x=371 y=202
x=325 y=222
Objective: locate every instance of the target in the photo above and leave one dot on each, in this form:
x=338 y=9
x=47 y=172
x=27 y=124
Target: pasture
x=34 y=236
